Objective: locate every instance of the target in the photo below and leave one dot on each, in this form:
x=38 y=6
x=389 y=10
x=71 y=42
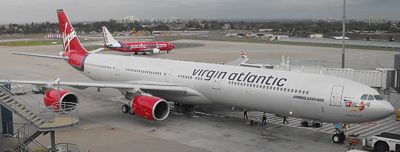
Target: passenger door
x=336 y=96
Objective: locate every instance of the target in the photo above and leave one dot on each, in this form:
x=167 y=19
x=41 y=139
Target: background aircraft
x=153 y=47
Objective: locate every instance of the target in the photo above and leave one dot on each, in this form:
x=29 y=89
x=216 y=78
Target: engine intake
x=68 y=100
x=151 y=108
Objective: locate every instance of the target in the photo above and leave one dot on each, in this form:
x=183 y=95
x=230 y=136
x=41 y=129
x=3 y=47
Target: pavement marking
x=388 y=124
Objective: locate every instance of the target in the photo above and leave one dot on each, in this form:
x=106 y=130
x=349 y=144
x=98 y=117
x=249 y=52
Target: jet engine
x=155 y=51
x=151 y=108
x=68 y=100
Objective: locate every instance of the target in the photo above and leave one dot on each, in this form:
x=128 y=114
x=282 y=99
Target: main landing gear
x=126 y=109
x=313 y=124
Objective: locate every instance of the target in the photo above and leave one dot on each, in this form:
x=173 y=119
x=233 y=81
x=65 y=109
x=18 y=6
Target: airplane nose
x=386 y=109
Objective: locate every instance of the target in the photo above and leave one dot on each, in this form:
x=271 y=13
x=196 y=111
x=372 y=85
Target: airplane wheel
x=338 y=138
x=317 y=125
x=304 y=124
x=125 y=108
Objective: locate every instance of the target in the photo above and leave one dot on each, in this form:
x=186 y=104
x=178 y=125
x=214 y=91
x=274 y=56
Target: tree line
x=300 y=27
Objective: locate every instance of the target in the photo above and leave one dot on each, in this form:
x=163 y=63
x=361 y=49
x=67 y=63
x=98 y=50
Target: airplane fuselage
x=143 y=46
x=309 y=96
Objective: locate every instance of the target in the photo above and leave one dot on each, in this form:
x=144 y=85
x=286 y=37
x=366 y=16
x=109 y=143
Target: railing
x=58 y=114
x=67 y=147
x=53 y=117
x=33 y=145
x=19 y=145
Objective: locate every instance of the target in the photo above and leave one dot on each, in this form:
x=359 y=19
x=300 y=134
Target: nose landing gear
x=339 y=138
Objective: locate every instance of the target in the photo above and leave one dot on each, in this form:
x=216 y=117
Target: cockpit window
x=364 y=97
x=370 y=97
x=378 y=97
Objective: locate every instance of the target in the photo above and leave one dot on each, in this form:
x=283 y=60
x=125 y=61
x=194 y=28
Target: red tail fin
x=70 y=39
x=73 y=48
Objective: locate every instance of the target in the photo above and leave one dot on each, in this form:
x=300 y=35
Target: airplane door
x=117 y=72
x=217 y=84
x=336 y=96
x=167 y=75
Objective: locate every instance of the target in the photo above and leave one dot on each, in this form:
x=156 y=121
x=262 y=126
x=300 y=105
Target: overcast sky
x=22 y=11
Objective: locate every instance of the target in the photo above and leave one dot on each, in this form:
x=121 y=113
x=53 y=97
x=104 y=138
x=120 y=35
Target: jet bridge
x=381 y=78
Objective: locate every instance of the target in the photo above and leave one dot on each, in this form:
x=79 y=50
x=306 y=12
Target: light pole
x=58 y=93
x=344 y=33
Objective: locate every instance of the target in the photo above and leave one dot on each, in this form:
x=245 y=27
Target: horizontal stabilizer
x=41 y=55
x=96 y=51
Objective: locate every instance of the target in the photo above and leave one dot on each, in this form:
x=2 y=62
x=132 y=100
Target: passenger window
x=370 y=97
x=364 y=97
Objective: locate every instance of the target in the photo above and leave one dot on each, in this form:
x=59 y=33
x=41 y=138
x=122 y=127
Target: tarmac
x=382 y=44
x=103 y=127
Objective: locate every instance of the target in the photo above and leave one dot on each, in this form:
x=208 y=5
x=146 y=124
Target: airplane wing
x=238 y=61
x=147 y=86
x=96 y=51
x=241 y=60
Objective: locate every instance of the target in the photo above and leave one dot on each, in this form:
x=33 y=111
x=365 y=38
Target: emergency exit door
x=336 y=96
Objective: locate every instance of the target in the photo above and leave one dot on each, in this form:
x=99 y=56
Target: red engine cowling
x=151 y=108
x=68 y=99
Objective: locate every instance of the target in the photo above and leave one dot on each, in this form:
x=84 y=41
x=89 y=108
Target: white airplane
x=148 y=83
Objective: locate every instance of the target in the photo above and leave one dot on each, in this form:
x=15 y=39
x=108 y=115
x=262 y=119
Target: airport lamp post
x=344 y=33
